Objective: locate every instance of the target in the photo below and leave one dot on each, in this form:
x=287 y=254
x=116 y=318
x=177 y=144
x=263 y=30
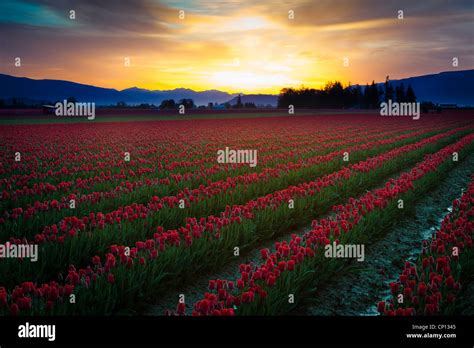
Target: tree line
x=170 y=104
x=335 y=96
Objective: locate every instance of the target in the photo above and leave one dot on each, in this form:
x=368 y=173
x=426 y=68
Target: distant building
x=448 y=106
x=49 y=109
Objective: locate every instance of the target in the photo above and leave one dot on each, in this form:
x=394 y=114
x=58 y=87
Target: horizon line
x=227 y=91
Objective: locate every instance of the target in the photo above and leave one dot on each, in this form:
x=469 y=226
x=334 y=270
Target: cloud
x=166 y=51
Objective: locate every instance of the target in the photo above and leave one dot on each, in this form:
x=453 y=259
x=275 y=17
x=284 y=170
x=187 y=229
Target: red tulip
x=407 y=293
x=281 y=265
x=381 y=307
x=181 y=309
x=394 y=288
x=426 y=263
x=240 y=284
x=421 y=289
x=96 y=260
x=212 y=284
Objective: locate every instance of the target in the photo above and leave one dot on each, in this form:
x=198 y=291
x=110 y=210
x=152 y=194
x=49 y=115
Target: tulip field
x=434 y=289
x=127 y=214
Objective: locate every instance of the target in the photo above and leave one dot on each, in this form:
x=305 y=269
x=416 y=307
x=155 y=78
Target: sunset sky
x=236 y=46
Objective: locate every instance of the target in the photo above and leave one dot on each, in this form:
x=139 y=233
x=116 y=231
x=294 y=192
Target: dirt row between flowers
x=356 y=291
x=194 y=291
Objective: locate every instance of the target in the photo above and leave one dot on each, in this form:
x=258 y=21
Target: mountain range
x=30 y=90
x=449 y=87
x=445 y=87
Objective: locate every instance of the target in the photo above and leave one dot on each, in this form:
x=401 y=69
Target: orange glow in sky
x=234 y=46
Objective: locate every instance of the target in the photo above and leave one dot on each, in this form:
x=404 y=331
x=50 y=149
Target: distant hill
x=453 y=87
x=29 y=90
x=449 y=87
x=138 y=95
x=257 y=99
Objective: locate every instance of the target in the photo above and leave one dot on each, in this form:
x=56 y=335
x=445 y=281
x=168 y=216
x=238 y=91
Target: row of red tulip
x=98 y=172
x=130 y=186
x=100 y=241
x=73 y=161
x=148 y=250
x=256 y=282
x=129 y=232
x=430 y=285
x=200 y=175
x=58 y=232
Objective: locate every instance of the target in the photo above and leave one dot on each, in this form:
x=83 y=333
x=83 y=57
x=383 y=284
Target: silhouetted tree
x=188 y=103
x=388 y=91
x=239 y=102
x=410 y=96
x=335 y=95
x=373 y=96
x=400 y=93
x=167 y=104
x=366 y=97
x=144 y=106
x=359 y=96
